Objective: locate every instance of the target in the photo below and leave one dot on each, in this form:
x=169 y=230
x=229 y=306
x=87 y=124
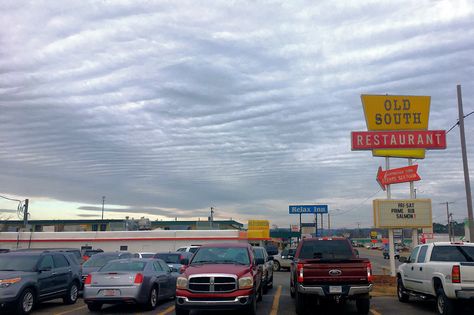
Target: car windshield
x=18 y=262
x=221 y=255
x=258 y=253
x=326 y=250
x=169 y=258
x=99 y=260
x=124 y=266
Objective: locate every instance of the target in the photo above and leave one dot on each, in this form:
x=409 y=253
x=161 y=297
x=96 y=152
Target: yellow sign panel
x=402 y=213
x=397 y=112
x=258 y=225
x=258 y=234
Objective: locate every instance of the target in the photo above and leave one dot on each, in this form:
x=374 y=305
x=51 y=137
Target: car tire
x=402 y=296
x=270 y=285
x=180 y=311
x=152 y=299
x=444 y=305
x=26 y=302
x=260 y=292
x=72 y=294
x=300 y=303
x=276 y=266
x=363 y=306
x=251 y=309
x=94 y=306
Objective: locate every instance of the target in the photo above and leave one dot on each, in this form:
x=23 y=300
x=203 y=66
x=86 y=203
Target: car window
x=60 y=261
x=224 y=255
x=169 y=258
x=124 y=266
x=413 y=254
x=284 y=252
x=422 y=254
x=157 y=266
x=9 y=262
x=452 y=253
x=99 y=260
x=193 y=249
x=164 y=266
x=327 y=250
x=258 y=253
x=46 y=262
x=181 y=249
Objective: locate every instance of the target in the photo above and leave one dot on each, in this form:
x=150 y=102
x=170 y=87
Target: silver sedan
x=136 y=281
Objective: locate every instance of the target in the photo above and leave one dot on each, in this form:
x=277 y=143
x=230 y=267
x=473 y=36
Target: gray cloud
x=169 y=108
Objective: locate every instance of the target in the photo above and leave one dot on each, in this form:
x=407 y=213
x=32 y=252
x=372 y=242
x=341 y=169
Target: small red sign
x=415 y=139
x=397 y=175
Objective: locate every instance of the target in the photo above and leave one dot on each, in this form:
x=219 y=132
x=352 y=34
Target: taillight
x=456 y=274
x=299 y=270
x=369 y=272
x=138 y=278
x=88 y=280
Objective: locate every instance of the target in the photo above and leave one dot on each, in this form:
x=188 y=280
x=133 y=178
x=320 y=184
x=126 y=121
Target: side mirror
x=43 y=269
x=403 y=259
x=259 y=261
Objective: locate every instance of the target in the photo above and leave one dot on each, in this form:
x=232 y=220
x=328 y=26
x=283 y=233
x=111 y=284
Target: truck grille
x=211 y=283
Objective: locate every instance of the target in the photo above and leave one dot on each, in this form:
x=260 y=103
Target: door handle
x=421 y=268
x=411 y=267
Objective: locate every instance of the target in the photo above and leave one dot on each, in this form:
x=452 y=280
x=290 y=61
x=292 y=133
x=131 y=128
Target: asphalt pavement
x=276 y=302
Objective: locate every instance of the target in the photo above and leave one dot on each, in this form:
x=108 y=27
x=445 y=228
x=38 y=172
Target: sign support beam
x=414 y=232
x=391 y=245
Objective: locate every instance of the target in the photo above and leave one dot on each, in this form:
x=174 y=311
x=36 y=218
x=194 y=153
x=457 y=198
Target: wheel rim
x=400 y=293
x=440 y=304
x=73 y=293
x=28 y=301
x=153 y=297
x=276 y=266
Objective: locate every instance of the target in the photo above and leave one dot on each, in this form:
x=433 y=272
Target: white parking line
x=166 y=311
x=70 y=311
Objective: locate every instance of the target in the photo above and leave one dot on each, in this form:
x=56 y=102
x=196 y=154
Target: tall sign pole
x=414 y=232
x=467 y=182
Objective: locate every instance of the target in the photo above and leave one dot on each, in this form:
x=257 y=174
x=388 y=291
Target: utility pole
x=467 y=182
x=211 y=218
x=25 y=213
x=447 y=215
x=103 y=203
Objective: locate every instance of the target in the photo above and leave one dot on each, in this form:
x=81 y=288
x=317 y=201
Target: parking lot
x=276 y=302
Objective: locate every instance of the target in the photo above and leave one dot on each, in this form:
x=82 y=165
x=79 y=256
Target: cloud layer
x=168 y=108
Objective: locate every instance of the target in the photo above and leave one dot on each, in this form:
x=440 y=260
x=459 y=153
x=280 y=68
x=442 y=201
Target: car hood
x=16 y=274
x=238 y=270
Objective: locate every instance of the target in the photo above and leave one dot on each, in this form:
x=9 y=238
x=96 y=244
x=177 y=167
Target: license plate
x=335 y=289
x=110 y=292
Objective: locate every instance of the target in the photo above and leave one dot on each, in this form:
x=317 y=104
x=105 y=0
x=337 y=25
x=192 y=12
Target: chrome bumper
x=237 y=301
x=323 y=290
x=465 y=294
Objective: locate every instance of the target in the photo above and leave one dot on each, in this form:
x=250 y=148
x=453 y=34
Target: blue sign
x=308 y=209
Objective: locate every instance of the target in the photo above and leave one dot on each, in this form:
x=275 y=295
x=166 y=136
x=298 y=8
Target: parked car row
x=30 y=276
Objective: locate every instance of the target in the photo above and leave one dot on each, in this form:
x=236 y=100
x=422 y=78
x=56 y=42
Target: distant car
x=30 y=277
x=283 y=260
x=175 y=260
x=144 y=255
x=267 y=267
x=136 y=280
x=99 y=260
x=191 y=248
x=271 y=249
x=386 y=254
x=88 y=253
x=4 y=250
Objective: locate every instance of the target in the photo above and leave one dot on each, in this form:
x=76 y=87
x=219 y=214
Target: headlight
x=182 y=283
x=5 y=283
x=245 y=283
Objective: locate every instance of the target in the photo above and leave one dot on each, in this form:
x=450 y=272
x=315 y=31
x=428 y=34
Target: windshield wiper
x=203 y=262
x=231 y=262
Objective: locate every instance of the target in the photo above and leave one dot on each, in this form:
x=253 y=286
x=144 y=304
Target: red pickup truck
x=220 y=277
x=329 y=268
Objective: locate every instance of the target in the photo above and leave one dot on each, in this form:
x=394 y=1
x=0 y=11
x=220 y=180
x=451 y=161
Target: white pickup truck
x=442 y=270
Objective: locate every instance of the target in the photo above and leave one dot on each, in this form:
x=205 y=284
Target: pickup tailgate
x=351 y=271
x=467 y=273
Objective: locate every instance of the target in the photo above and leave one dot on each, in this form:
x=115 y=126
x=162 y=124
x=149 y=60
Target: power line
x=10 y=199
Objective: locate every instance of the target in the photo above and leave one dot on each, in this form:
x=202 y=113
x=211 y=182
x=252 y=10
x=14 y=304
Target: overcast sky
x=170 y=107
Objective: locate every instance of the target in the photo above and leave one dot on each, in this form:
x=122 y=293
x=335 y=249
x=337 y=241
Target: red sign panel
x=397 y=175
x=416 y=139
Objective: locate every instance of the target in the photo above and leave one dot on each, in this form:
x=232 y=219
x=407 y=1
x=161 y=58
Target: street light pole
x=467 y=182
x=103 y=203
